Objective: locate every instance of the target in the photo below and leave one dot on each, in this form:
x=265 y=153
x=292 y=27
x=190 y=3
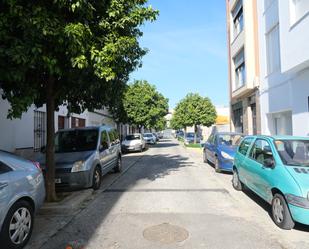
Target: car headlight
x=78 y=166
x=226 y=156
x=297 y=201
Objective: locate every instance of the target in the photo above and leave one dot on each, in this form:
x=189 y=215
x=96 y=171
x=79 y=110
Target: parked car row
x=138 y=141
x=276 y=168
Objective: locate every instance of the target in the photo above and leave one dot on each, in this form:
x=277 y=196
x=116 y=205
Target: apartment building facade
x=284 y=67
x=244 y=68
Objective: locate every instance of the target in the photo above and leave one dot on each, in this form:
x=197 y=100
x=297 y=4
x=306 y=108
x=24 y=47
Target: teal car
x=276 y=169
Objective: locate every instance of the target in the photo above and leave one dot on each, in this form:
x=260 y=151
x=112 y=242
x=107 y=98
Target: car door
x=105 y=154
x=259 y=173
x=210 y=147
x=114 y=145
x=241 y=159
x=5 y=189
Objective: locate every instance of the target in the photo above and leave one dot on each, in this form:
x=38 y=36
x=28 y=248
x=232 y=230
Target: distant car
x=276 y=169
x=134 y=142
x=22 y=193
x=220 y=150
x=84 y=155
x=156 y=136
x=160 y=134
x=179 y=134
x=189 y=138
x=149 y=138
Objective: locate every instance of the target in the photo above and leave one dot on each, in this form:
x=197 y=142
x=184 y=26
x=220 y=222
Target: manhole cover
x=165 y=233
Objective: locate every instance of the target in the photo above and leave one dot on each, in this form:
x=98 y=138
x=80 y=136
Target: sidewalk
x=53 y=217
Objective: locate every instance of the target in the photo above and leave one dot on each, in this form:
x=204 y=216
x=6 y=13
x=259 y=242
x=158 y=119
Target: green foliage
x=145 y=106
x=193 y=110
x=87 y=48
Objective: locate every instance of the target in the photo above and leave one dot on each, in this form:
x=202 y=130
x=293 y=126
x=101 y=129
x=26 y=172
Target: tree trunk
x=50 y=160
x=195 y=134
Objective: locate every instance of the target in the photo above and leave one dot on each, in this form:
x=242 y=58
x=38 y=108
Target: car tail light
x=37 y=164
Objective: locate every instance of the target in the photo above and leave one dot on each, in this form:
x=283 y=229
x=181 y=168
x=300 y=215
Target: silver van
x=84 y=155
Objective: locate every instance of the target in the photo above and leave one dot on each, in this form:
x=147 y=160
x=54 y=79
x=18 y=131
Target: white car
x=134 y=142
x=150 y=138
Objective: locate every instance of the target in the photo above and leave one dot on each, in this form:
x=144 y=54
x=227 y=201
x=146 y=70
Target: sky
x=187 y=50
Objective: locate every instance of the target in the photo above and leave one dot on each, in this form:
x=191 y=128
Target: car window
x=4 y=168
x=211 y=139
x=76 y=140
x=114 y=137
x=261 y=151
x=244 y=146
x=104 y=139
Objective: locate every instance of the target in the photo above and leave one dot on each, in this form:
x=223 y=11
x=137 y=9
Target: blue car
x=220 y=150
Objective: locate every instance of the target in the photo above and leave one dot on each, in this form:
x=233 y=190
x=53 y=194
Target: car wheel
x=97 y=178
x=118 y=166
x=218 y=170
x=237 y=184
x=17 y=226
x=280 y=213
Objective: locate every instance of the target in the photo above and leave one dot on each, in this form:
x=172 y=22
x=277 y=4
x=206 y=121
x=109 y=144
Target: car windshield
x=147 y=135
x=132 y=137
x=76 y=141
x=229 y=139
x=293 y=152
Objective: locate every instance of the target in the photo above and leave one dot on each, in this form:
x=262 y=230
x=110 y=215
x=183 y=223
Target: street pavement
x=169 y=198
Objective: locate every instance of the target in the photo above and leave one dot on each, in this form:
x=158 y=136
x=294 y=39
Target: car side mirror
x=269 y=163
x=43 y=149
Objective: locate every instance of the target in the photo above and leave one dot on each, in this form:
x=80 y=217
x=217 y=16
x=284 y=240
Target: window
x=273 y=50
x=104 y=140
x=78 y=122
x=293 y=152
x=238 y=18
x=211 y=139
x=244 y=146
x=261 y=151
x=240 y=70
x=76 y=140
x=4 y=168
x=114 y=137
x=299 y=8
x=238 y=116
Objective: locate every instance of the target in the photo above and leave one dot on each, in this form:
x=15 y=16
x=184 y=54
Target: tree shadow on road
x=88 y=223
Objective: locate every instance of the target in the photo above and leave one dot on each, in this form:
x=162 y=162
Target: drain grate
x=166 y=234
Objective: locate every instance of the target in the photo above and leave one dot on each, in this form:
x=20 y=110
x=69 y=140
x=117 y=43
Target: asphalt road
x=171 y=199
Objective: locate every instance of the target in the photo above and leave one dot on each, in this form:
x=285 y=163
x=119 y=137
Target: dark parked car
x=22 y=193
x=189 y=138
x=220 y=150
x=84 y=155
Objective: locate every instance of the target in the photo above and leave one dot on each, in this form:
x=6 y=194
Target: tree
x=144 y=105
x=194 y=110
x=75 y=53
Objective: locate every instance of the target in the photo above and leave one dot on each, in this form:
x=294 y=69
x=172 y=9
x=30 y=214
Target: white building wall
x=19 y=133
x=284 y=93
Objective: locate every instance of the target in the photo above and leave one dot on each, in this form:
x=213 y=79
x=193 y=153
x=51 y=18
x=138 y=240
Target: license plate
x=57 y=180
